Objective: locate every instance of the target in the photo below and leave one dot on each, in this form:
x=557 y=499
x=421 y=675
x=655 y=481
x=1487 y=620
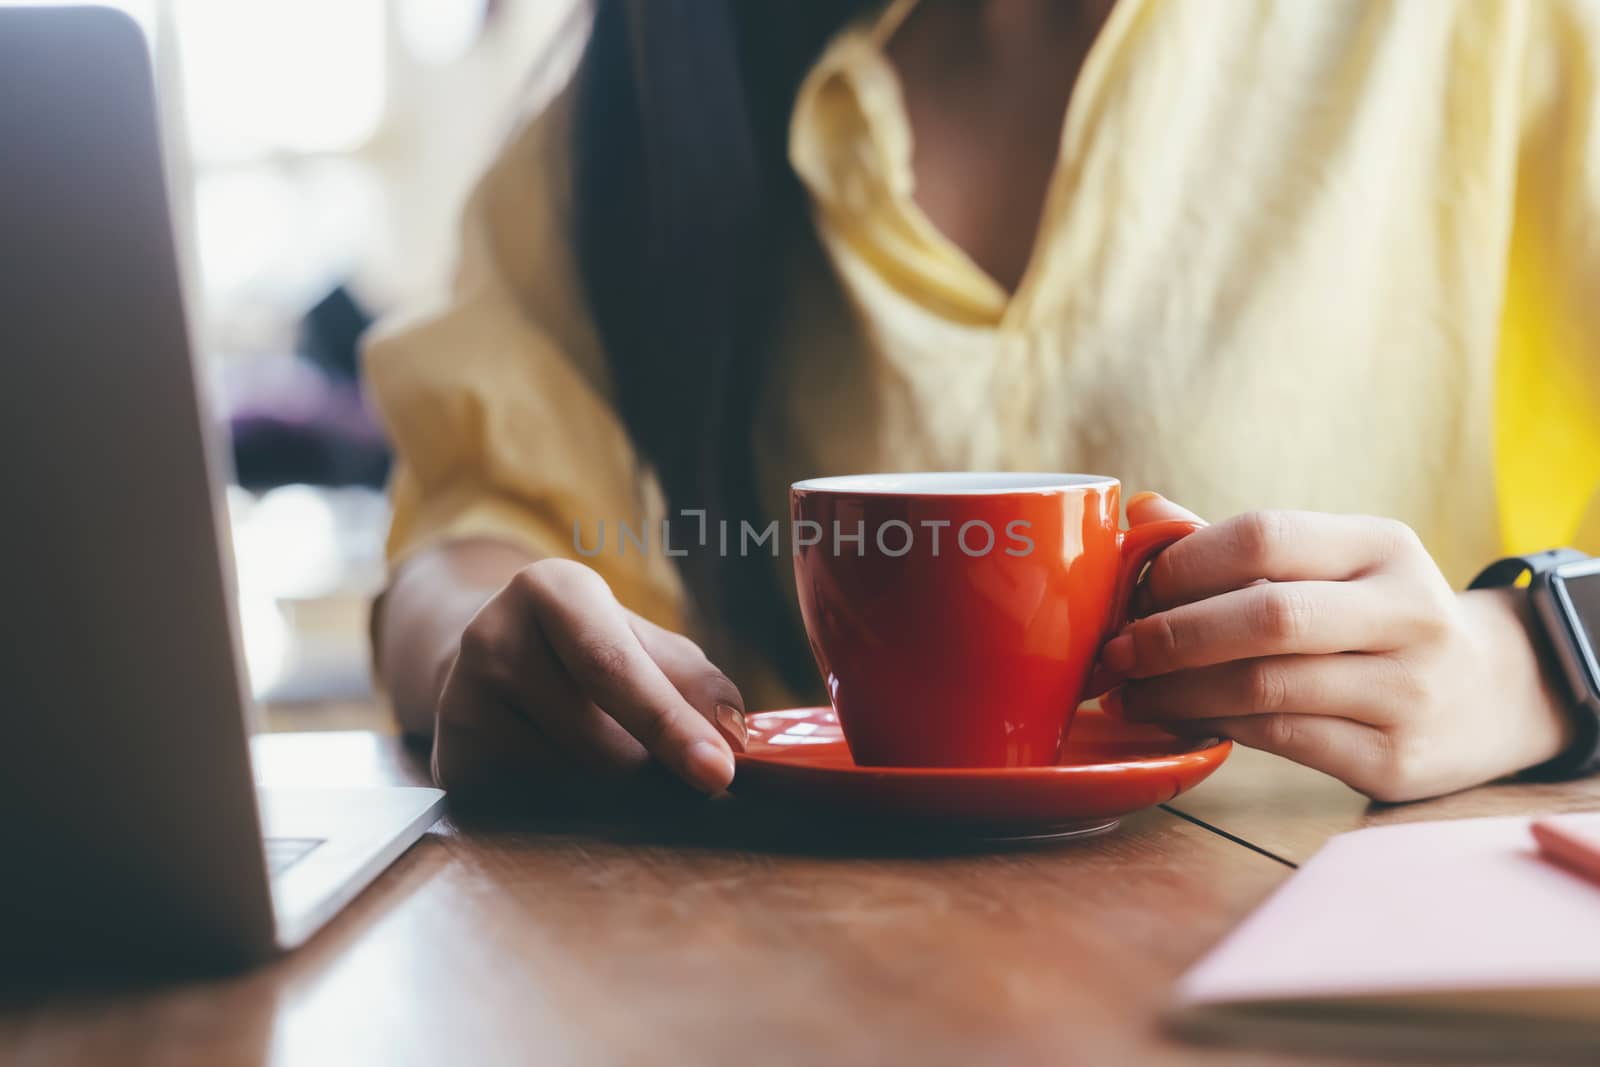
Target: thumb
x=1150 y=507
x=1153 y=507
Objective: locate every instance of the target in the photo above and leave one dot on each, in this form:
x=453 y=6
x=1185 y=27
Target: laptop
x=133 y=829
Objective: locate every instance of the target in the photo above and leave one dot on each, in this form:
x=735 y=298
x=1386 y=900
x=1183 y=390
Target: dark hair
x=684 y=199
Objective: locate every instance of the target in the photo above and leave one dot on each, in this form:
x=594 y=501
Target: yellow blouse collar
x=851 y=144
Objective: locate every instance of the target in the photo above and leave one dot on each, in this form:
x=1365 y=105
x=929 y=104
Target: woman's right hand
x=558 y=688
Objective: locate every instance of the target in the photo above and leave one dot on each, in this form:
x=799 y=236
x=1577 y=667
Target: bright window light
x=440 y=31
x=270 y=77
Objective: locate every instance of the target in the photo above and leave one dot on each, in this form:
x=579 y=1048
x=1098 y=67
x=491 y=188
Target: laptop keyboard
x=285 y=852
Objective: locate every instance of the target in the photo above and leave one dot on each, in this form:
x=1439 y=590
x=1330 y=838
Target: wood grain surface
x=1288 y=810
x=713 y=934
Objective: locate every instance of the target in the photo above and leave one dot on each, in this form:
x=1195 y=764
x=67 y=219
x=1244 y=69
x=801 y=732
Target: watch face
x=1578 y=592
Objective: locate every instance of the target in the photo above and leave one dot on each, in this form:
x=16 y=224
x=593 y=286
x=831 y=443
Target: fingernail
x=1113 y=704
x=1142 y=497
x=730 y=720
x=710 y=767
x=1118 y=654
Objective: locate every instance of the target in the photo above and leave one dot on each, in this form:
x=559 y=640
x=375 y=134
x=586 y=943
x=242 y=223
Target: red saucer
x=1109 y=768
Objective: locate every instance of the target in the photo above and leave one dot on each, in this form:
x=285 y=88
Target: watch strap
x=1582 y=757
x=1508 y=571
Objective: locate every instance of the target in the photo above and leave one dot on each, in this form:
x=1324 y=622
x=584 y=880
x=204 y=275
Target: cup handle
x=1135 y=549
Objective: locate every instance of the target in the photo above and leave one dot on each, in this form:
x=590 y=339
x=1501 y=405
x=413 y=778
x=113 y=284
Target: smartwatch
x=1564 y=587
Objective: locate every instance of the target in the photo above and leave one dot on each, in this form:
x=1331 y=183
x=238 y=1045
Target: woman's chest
x=1301 y=387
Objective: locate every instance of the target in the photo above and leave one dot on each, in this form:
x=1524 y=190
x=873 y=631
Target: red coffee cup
x=956 y=617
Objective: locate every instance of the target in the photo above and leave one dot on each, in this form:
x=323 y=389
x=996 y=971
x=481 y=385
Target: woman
x=1328 y=269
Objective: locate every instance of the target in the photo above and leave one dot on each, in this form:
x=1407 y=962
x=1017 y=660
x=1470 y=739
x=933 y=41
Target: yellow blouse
x=1337 y=255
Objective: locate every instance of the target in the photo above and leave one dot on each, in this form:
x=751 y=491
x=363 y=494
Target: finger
x=589 y=632
x=480 y=741
x=1269 y=619
x=706 y=688
x=485 y=745
x=1153 y=507
x=1353 y=752
x=1352 y=686
x=551 y=698
x=1279 y=546
x=506 y=662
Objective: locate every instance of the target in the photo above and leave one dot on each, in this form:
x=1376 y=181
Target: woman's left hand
x=1335 y=641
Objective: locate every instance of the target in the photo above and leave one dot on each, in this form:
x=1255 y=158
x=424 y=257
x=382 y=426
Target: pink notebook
x=1428 y=936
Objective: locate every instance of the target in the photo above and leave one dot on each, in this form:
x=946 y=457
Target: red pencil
x=1573 y=841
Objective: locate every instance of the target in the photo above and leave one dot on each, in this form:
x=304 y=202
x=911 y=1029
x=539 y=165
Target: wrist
x=1527 y=681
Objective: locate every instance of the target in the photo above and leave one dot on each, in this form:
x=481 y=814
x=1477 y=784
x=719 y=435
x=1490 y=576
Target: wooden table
x=693 y=938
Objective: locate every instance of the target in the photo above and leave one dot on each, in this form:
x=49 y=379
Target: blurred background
x=320 y=152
